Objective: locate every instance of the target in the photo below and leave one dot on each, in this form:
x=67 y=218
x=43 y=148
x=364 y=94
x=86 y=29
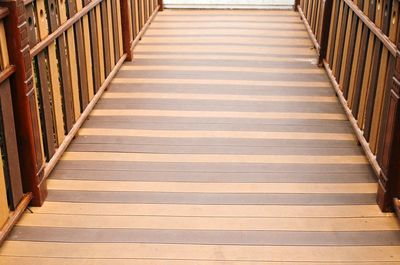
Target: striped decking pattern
x=222 y=143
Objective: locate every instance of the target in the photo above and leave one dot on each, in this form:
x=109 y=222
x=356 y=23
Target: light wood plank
x=222 y=32
x=200 y=158
x=193 y=187
x=220 y=114
x=236 y=25
x=256 y=40
x=110 y=32
x=257 y=58
x=282 y=211
x=202 y=252
x=119 y=80
x=217 y=134
x=226 y=49
x=210 y=223
x=136 y=67
x=83 y=261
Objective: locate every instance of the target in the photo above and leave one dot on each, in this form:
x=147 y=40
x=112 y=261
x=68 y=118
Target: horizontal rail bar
x=15 y=216
x=4 y=12
x=64 y=27
x=6 y=73
x=371 y=25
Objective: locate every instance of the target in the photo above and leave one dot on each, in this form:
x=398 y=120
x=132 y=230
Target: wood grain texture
x=205 y=152
x=4 y=210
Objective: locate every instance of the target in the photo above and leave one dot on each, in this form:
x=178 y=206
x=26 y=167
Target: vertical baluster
x=73 y=70
x=137 y=16
x=81 y=60
x=100 y=40
x=115 y=31
x=332 y=32
x=133 y=18
x=340 y=41
x=314 y=17
x=142 y=13
x=106 y=38
x=346 y=50
x=119 y=24
x=110 y=32
x=358 y=63
x=94 y=63
x=87 y=50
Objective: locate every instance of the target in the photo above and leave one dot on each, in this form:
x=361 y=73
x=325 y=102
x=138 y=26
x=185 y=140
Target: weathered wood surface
x=215 y=146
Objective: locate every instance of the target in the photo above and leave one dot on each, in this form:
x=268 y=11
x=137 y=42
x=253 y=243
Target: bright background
x=246 y=4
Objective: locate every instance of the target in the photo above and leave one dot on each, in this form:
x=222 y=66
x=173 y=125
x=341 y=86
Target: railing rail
x=358 y=49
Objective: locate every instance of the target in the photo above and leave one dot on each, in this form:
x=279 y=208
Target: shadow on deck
x=222 y=143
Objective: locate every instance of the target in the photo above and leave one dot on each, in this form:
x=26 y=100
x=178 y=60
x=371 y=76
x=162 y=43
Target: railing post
x=127 y=31
x=388 y=156
x=161 y=4
x=325 y=28
x=389 y=179
x=296 y=5
x=24 y=101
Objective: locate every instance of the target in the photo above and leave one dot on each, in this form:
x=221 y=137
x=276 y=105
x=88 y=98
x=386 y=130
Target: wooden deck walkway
x=222 y=143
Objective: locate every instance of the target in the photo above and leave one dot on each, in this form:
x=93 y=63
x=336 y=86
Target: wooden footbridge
x=134 y=136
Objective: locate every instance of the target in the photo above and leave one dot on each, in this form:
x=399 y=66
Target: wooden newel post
x=296 y=4
x=389 y=155
x=161 y=4
x=24 y=102
x=389 y=179
x=127 y=31
x=325 y=29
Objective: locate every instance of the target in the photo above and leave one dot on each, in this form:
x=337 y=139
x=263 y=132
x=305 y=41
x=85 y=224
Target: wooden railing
x=358 y=49
x=61 y=56
x=73 y=53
